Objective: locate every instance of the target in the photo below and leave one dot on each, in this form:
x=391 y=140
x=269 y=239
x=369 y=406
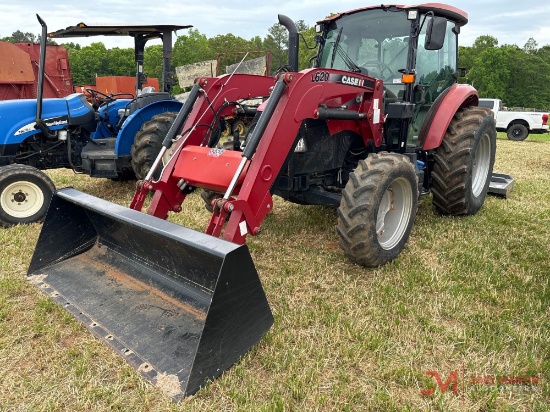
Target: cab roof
x=439 y=9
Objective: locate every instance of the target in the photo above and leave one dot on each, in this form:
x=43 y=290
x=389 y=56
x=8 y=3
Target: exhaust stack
x=293 y=41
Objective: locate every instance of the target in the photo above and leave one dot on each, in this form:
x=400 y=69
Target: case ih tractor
x=376 y=123
x=112 y=138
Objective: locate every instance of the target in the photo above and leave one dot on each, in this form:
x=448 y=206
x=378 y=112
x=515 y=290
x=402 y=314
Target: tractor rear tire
x=377 y=209
x=148 y=142
x=463 y=164
x=517 y=132
x=25 y=194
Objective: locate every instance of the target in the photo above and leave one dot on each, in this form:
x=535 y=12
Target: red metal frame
x=19 y=71
x=303 y=95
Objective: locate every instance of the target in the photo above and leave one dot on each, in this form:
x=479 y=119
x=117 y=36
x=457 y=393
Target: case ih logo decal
x=322 y=76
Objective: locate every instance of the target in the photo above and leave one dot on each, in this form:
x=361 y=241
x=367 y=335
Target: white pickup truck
x=516 y=124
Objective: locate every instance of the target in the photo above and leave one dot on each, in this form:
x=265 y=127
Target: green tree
x=301 y=25
x=531 y=46
x=256 y=43
x=71 y=46
x=87 y=63
x=119 y=62
x=305 y=54
x=484 y=42
x=228 y=43
x=191 y=48
x=490 y=73
x=152 y=62
x=529 y=85
x=20 y=37
x=277 y=43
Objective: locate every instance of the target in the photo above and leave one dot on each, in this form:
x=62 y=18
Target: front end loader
x=378 y=122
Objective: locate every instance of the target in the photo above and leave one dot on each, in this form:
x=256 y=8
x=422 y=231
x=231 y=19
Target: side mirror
x=435 y=33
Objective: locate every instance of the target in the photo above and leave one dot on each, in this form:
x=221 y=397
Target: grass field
x=467 y=295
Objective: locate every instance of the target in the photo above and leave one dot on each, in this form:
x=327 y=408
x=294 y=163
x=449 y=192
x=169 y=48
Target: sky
x=510 y=21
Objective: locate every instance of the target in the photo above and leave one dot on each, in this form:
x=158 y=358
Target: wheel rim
x=240 y=128
x=482 y=162
x=394 y=213
x=227 y=131
x=167 y=155
x=22 y=199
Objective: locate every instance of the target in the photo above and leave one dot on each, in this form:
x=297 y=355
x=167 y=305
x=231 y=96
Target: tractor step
x=501 y=184
x=99 y=158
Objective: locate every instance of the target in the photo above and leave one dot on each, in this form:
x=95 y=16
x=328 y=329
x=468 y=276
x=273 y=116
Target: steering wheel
x=118 y=96
x=381 y=68
x=98 y=98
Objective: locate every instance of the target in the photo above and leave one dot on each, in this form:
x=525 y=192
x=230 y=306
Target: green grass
x=469 y=292
x=543 y=137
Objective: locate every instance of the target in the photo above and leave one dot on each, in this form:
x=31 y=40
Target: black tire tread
x=360 y=196
x=511 y=136
x=148 y=142
x=451 y=162
x=9 y=171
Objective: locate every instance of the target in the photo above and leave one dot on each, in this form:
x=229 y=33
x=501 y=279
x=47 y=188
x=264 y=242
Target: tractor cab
x=412 y=49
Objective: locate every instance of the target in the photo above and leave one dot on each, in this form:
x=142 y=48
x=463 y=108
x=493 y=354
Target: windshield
x=373 y=42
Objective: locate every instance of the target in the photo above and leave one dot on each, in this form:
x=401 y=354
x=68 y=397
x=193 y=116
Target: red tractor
x=377 y=122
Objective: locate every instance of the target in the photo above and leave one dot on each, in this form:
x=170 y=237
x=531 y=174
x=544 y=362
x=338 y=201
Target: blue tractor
x=115 y=136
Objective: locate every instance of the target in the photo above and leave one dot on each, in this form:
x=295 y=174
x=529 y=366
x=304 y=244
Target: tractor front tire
x=25 y=194
x=517 y=132
x=463 y=164
x=377 y=209
x=208 y=197
x=148 y=142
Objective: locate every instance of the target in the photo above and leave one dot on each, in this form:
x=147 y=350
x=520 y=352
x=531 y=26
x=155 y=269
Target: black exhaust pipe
x=41 y=69
x=292 y=41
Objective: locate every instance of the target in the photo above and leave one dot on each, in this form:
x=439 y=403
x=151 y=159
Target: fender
x=442 y=111
x=134 y=122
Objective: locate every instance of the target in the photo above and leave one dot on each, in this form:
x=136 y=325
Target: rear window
x=486 y=103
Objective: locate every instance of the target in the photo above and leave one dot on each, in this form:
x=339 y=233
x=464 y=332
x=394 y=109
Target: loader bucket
x=178 y=305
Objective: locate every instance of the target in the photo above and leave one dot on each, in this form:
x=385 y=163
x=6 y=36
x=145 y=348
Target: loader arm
x=347 y=103
x=214 y=92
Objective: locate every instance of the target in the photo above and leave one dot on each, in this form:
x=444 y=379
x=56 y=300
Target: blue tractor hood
x=18 y=117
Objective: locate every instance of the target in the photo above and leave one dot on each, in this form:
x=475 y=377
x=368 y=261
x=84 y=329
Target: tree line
x=94 y=60
x=520 y=76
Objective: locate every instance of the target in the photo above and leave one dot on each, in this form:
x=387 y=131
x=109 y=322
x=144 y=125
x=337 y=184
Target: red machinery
x=115 y=85
x=378 y=121
x=19 y=71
